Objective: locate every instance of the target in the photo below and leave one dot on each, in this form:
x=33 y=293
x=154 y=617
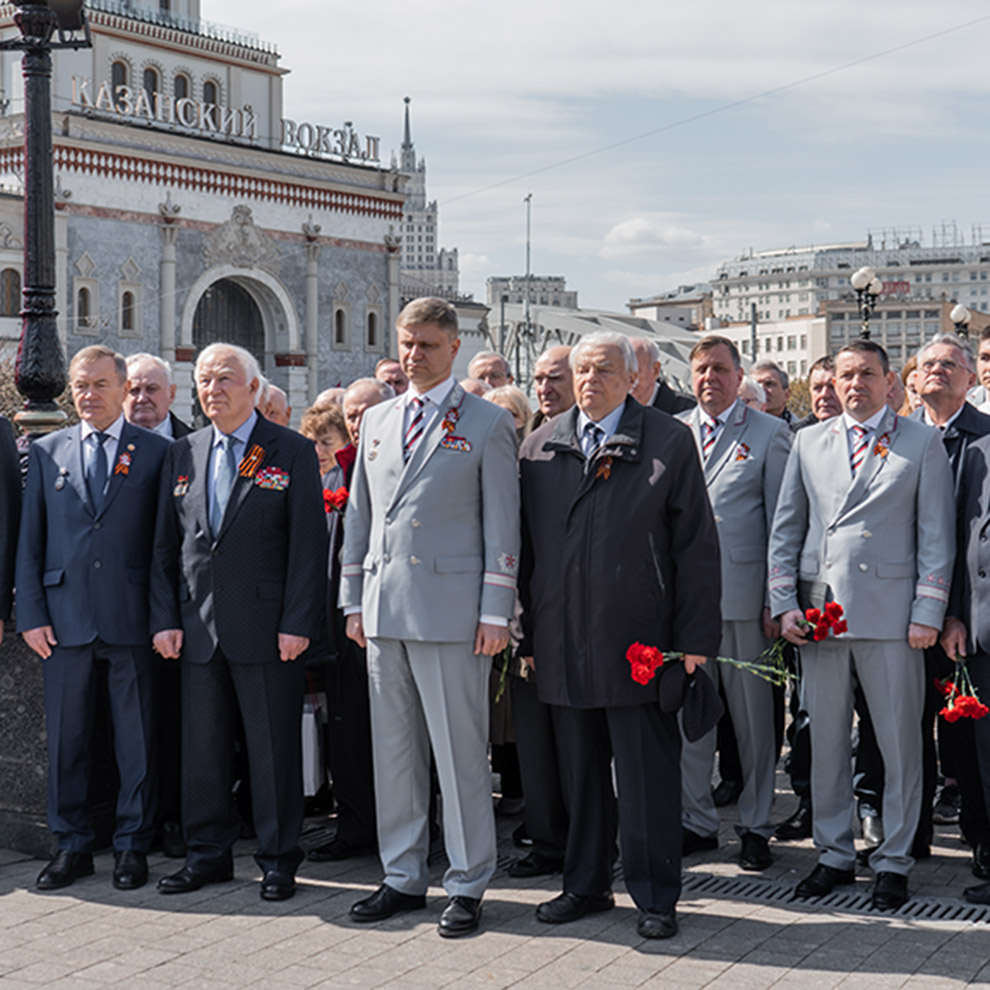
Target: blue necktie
x=96 y=477
x=226 y=472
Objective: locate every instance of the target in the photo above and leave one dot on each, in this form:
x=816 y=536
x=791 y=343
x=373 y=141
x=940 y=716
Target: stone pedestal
x=24 y=754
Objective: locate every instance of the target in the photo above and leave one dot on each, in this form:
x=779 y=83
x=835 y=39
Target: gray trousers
x=892 y=677
x=425 y=694
x=750 y=701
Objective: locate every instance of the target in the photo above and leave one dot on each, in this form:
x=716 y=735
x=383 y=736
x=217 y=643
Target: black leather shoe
x=727 y=792
x=338 y=849
x=798 y=826
x=755 y=853
x=569 y=907
x=535 y=865
x=191 y=878
x=130 y=869
x=461 y=916
x=691 y=842
x=890 y=891
x=823 y=880
x=872 y=826
x=65 y=868
x=657 y=924
x=980 y=894
x=172 y=841
x=385 y=902
x=981 y=861
x=277 y=886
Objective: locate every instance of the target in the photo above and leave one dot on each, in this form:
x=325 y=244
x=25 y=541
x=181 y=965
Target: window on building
x=745 y=347
x=118 y=74
x=10 y=292
x=211 y=92
x=150 y=83
x=165 y=6
x=83 y=314
x=372 y=330
x=180 y=86
x=780 y=343
x=127 y=310
x=339 y=330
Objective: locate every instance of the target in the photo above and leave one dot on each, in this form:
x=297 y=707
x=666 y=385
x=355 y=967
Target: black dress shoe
x=823 y=880
x=65 y=868
x=691 y=842
x=385 y=902
x=755 y=853
x=872 y=826
x=535 y=865
x=890 y=891
x=276 y=886
x=172 y=841
x=657 y=924
x=569 y=907
x=798 y=826
x=727 y=792
x=461 y=916
x=130 y=869
x=980 y=894
x=338 y=849
x=191 y=878
x=981 y=861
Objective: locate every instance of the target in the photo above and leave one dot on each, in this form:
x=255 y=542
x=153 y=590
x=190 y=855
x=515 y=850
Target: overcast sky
x=503 y=90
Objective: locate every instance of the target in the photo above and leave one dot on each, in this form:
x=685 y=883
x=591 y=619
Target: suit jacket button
x=828 y=563
x=415 y=524
x=97 y=564
x=97 y=526
x=388 y=520
x=983 y=574
x=414 y=560
x=216 y=552
x=863 y=567
x=983 y=537
x=385 y=558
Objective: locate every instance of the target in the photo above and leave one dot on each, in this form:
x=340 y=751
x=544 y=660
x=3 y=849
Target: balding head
x=648 y=368
x=360 y=396
x=553 y=381
x=330 y=396
x=490 y=368
x=475 y=386
x=150 y=391
x=277 y=408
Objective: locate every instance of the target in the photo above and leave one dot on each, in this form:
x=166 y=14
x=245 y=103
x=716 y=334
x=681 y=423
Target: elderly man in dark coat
x=619 y=547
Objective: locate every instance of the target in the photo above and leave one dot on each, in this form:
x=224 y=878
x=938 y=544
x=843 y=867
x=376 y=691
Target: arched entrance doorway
x=227 y=313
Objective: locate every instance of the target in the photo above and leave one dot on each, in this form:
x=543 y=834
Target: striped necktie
x=709 y=430
x=859 y=447
x=593 y=436
x=415 y=429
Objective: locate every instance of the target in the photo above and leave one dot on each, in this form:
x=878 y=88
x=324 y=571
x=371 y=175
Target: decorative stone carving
x=8 y=238
x=130 y=270
x=240 y=243
x=85 y=265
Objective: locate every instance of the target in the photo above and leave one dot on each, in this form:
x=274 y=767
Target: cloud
x=641 y=236
x=474 y=264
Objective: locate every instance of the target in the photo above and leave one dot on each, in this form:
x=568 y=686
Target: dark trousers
x=974 y=774
x=646 y=745
x=269 y=696
x=536 y=745
x=170 y=742
x=132 y=681
x=349 y=731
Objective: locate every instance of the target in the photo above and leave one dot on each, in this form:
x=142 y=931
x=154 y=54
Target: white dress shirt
x=871 y=425
x=164 y=428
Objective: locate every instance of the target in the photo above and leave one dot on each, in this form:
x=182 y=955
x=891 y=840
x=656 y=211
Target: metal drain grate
x=858 y=901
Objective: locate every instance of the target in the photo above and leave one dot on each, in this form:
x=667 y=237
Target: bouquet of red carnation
x=335 y=498
x=645 y=661
x=960 y=694
x=826 y=620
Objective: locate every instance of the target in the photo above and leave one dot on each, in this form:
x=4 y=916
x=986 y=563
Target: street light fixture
x=40 y=371
x=868 y=290
x=961 y=316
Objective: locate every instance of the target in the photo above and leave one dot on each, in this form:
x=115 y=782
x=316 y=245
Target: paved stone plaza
x=740 y=932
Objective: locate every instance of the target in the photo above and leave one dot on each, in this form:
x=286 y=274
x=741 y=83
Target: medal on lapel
x=60 y=480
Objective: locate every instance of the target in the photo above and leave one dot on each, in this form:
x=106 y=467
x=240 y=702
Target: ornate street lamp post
x=961 y=316
x=868 y=288
x=40 y=371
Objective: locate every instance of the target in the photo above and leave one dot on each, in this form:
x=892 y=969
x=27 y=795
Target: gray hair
x=757 y=389
x=159 y=363
x=606 y=338
x=953 y=340
x=261 y=399
x=649 y=346
x=247 y=362
x=489 y=354
x=772 y=366
x=382 y=388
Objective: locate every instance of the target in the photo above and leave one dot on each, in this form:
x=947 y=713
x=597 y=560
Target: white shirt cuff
x=494 y=620
x=352 y=610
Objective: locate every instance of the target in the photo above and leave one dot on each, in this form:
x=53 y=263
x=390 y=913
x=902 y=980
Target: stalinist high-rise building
x=426 y=269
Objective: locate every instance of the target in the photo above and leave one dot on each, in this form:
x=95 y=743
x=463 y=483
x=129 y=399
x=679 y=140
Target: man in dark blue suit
x=82 y=596
x=238 y=588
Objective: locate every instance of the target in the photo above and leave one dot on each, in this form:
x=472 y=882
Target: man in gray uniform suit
x=865 y=518
x=743 y=453
x=430 y=558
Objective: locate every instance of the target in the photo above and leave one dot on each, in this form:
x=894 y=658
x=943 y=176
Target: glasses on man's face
x=947 y=363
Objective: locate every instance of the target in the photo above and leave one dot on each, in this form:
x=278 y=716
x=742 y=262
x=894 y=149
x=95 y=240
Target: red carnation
x=813 y=615
x=335 y=498
x=644 y=661
x=834 y=611
x=840 y=627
